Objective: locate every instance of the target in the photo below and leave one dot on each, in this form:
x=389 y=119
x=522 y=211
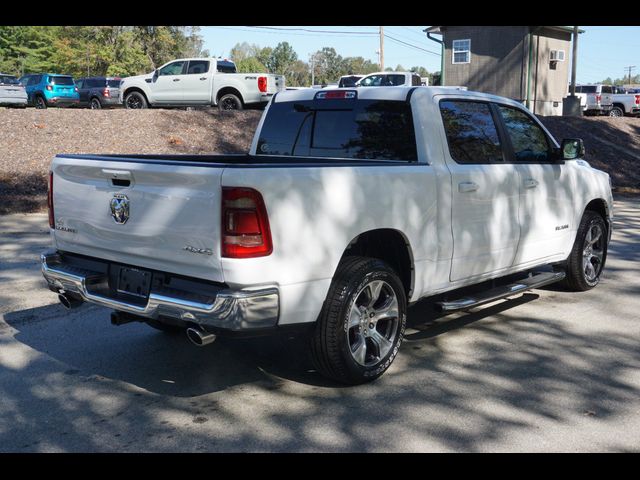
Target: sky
x=602 y=51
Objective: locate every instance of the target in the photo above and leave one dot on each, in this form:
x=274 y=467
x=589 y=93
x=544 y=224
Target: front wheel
x=230 y=102
x=360 y=328
x=135 y=100
x=587 y=258
x=40 y=103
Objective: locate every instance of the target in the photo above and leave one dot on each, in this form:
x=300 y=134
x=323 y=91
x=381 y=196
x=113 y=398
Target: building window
x=461 y=51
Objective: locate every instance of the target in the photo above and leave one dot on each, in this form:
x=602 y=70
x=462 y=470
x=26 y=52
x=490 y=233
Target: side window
x=530 y=144
x=35 y=80
x=416 y=81
x=80 y=83
x=174 y=68
x=606 y=89
x=471 y=132
x=198 y=67
x=395 y=80
x=373 y=81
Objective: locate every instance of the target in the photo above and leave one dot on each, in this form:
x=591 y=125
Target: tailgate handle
x=118 y=178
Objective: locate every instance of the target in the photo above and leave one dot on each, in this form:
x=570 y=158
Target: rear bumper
x=226 y=309
x=63 y=101
x=13 y=100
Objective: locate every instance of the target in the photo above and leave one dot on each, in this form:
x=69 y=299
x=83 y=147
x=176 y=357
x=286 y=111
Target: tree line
x=634 y=80
x=133 y=50
x=94 y=50
x=324 y=66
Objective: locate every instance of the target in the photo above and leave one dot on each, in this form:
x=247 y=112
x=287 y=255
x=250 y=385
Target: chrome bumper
x=228 y=309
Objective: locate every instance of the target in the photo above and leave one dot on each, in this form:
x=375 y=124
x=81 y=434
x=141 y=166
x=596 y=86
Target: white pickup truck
x=624 y=103
x=199 y=81
x=390 y=79
x=351 y=205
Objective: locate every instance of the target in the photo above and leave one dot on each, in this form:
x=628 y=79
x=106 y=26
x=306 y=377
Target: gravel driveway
x=547 y=371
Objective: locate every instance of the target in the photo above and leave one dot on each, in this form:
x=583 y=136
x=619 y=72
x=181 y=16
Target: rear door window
x=114 y=82
x=198 y=67
x=471 y=132
x=352 y=129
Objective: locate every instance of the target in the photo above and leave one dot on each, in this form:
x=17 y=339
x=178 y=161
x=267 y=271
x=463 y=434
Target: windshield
x=8 y=80
x=61 y=80
x=354 y=129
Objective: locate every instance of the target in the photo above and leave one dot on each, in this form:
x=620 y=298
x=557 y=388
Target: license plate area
x=133 y=281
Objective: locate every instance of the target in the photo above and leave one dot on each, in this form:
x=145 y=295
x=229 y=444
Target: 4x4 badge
x=119 y=208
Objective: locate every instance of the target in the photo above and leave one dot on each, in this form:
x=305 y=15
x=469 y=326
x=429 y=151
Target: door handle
x=203 y=78
x=176 y=79
x=467 y=187
x=530 y=183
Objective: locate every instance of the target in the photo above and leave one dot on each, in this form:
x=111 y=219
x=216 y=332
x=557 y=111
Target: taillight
x=262 y=84
x=52 y=223
x=598 y=98
x=637 y=99
x=245 y=224
x=49 y=87
x=75 y=89
x=106 y=93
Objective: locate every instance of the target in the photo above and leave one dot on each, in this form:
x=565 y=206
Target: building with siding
x=528 y=64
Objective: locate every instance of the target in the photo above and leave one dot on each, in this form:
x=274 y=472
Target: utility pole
x=629 y=68
x=571 y=104
x=313 y=69
x=381 y=54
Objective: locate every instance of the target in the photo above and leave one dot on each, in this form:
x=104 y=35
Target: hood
x=136 y=78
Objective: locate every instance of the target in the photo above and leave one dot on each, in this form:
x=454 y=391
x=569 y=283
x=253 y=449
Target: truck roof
x=388 y=93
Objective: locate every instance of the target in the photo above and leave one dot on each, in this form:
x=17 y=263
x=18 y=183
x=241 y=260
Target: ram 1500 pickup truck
x=351 y=205
x=199 y=81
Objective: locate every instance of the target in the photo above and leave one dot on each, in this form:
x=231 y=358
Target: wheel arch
x=225 y=90
x=621 y=106
x=135 y=89
x=390 y=245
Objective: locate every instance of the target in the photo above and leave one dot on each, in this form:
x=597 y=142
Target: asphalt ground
x=548 y=371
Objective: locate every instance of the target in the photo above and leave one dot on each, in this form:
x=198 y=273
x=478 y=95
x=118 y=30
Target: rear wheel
x=95 y=104
x=587 y=258
x=362 y=322
x=616 y=112
x=135 y=100
x=40 y=103
x=230 y=102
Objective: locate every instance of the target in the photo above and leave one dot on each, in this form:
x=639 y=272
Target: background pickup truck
x=595 y=99
x=624 y=103
x=199 y=81
x=352 y=204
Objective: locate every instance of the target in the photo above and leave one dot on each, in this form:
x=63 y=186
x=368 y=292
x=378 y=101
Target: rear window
x=355 y=129
x=586 y=89
x=8 y=80
x=61 y=80
x=114 y=83
x=226 y=67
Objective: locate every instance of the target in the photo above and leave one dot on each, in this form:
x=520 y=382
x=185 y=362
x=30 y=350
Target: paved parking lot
x=547 y=371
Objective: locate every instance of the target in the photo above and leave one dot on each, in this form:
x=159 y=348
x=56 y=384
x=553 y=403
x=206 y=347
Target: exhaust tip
x=69 y=302
x=199 y=337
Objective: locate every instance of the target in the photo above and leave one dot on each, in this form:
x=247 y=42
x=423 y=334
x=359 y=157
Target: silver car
x=12 y=92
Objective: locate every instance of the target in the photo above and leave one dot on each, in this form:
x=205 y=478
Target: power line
x=314 y=31
x=411 y=45
x=280 y=33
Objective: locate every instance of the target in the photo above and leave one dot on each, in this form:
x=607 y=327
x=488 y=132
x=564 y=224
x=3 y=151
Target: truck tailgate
x=173 y=221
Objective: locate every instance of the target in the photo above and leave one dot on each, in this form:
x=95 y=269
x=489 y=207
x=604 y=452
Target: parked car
x=390 y=79
x=352 y=204
x=99 y=92
x=349 y=80
x=624 y=102
x=12 y=92
x=595 y=99
x=200 y=81
x=50 y=89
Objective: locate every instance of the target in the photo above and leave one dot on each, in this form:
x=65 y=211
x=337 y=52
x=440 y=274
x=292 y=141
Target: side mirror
x=571 y=148
x=155 y=75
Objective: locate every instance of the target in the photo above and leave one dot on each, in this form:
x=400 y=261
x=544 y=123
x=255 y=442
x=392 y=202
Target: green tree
x=250 y=65
x=282 y=59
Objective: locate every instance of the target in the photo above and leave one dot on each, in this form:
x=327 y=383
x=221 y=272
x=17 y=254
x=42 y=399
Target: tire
x=95 y=104
x=588 y=256
x=229 y=101
x=135 y=100
x=356 y=338
x=40 y=103
x=165 y=327
x=616 y=112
